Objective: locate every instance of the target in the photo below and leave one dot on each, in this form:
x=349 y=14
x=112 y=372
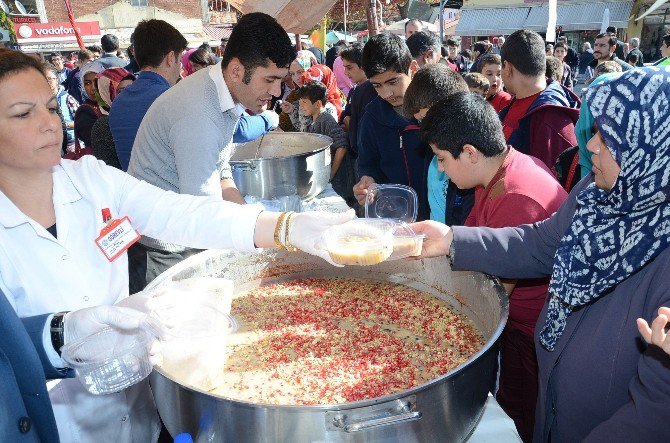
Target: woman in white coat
x=51 y=213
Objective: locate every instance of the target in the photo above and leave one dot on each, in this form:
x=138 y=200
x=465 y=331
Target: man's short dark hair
x=611 y=40
x=422 y=41
x=463 y=119
x=55 y=54
x=352 y=53
x=633 y=58
x=153 y=40
x=476 y=80
x=431 y=84
x=525 y=50
x=94 y=48
x=467 y=53
x=256 y=40
x=109 y=43
x=554 y=69
x=561 y=45
x=611 y=30
x=489 y=59
x=451 y=42
x=666 y=40
x=314 y=91
x=385 y=52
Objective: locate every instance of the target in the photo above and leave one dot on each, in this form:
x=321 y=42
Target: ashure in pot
x=444 y=409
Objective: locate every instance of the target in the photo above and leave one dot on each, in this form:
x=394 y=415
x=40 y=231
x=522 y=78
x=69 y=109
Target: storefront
x=579 y=21
x=51 y=37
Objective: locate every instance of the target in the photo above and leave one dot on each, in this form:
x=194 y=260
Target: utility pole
x=373 y=21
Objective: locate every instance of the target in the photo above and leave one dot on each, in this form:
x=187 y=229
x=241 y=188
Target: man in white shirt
x=184 y=141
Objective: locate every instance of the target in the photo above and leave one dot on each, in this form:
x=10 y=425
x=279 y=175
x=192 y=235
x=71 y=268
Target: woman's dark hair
x=256 y=40
x=202 y=57
x=314 y=91
x=353 y=53
x=526 y=51
x=153 y=40
x=12 y=62
x=431 y=84
x=385 y=52
x=464 y=119
x=482 y=47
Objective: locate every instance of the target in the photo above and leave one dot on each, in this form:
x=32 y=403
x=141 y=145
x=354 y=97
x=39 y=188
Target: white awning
x=571 y=17
x=580 y=16
x=491 y=21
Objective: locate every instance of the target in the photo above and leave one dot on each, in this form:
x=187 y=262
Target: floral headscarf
x=306 y=59
x=614 y=234
x=323 y=74
x=107 y=86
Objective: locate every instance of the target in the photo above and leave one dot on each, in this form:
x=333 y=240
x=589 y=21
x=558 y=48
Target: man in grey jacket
x=184 y=141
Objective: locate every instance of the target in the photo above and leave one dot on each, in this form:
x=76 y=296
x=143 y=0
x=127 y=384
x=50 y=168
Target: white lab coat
x=40 y=274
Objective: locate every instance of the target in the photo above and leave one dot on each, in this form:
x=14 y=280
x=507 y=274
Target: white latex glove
x=84 y=322
x=307 y=230
x=138 y=302
x=272 y=117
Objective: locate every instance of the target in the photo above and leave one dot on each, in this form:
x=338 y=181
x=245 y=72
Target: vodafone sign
x=55 y=32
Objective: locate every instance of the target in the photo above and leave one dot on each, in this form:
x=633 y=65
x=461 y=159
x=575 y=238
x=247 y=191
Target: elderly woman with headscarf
x=606 y=249
x=109 y=83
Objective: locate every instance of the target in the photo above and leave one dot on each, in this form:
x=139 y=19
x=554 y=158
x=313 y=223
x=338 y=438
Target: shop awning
x=580 y=17
x=491 y=21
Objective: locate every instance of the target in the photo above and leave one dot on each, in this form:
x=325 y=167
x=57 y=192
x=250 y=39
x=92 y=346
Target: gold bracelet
x=278 y=230
x=289 y=246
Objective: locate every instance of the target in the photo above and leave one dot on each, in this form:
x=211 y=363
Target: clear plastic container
x=193 y=341
x=361 y=242
x=394 y=202
x=406 y=243
x=110 y=360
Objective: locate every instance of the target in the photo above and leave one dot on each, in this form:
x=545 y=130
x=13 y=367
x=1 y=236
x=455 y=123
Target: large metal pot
x=445 y=409
x=278 y=159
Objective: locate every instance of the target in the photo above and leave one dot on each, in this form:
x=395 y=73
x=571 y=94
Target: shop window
x=139 y=2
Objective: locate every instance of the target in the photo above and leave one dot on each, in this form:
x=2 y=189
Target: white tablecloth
x=494 y=426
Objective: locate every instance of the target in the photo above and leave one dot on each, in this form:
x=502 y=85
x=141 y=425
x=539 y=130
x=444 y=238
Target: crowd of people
x=562 y=195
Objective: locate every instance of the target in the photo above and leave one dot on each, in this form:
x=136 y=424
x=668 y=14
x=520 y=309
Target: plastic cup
x=361 y=242
x=110 y=360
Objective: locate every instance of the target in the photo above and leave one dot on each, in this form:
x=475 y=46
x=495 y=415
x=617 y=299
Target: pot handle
x=401 y=414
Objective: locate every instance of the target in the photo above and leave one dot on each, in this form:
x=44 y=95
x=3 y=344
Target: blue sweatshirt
x=389 y=151
x=129 y=108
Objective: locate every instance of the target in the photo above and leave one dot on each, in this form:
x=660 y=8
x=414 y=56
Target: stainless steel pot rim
x=326 y=140
x=504 y=304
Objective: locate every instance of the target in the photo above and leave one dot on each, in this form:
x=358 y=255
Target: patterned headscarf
x=306 y=59
x=107 y=86
x=186 y=62
x=323 y=74
x=614 y=234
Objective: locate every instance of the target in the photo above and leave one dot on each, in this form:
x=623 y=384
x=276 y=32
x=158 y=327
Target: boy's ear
x=472 y=154
x=413 y=67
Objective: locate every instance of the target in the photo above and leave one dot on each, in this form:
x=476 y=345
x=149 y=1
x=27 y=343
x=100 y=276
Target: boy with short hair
x=491 y=68
x=511 y=189
x=477 y=83
x=360 y=94
x=313 y=97
x=448 y=204
x=389 y=150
